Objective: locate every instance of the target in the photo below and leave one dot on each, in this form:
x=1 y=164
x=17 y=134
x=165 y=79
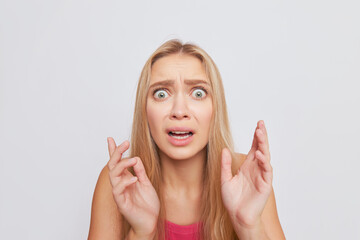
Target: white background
x=68 y=74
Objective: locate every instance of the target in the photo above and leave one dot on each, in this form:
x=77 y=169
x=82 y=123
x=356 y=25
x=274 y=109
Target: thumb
x=226 y=174
x=140 y=171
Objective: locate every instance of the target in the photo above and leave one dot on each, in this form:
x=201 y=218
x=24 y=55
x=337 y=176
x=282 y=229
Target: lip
x=180 y=142
x=179 y=129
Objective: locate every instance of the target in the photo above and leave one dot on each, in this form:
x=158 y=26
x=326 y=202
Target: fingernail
x=131 y=160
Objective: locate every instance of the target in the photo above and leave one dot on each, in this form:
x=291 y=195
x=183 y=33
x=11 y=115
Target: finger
x=254 y=145
x=263 y=128
x=121 y=166
x=267 y=172
x=111 y=146
x=265 y=164
x=115 y=158
x=263 y=145
x=261 y=141
x=264 y=178
x=266 y=139
x=226 y=160
x=267 y=176
x=140 y=172
x=122 y=185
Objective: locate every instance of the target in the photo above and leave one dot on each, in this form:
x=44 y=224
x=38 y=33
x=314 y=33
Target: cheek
x=154 y=116
x=151 y=116
x=205 y=114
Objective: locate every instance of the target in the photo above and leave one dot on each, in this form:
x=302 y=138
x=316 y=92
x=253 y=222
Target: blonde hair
x=215 y=220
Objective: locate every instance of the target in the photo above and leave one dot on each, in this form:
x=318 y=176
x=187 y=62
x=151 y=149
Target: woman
x=183 y=180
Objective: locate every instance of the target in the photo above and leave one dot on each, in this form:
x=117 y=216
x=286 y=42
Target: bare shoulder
x=105 y=220
x=237 y=162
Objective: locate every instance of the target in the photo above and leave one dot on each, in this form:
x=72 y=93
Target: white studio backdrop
x=68 y=74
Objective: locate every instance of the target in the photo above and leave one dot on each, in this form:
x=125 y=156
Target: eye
x=160 y=94
x=199 y=93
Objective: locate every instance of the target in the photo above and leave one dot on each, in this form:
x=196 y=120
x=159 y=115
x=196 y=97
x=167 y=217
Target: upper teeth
x=180 y=132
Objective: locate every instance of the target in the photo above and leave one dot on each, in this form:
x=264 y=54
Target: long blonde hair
x=215 y=220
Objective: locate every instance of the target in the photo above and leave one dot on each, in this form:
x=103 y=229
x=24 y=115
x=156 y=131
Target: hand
x=135 y=197
x=245 y=194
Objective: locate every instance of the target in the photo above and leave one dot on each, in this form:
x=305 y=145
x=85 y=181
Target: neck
x=183 y=176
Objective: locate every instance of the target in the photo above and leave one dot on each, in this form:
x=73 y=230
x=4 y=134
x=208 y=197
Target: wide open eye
x=199 y=93
x=160 y=94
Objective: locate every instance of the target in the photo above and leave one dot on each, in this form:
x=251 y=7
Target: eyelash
x=202 y=88
x=157 y=89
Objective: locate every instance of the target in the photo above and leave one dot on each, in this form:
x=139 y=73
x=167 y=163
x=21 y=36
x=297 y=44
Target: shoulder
x=105 y=220
x=237 y=161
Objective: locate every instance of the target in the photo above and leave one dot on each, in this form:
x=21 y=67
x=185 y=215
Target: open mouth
x=180 y=135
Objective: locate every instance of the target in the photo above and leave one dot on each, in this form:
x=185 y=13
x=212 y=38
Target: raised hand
x=135 y=196
x=245 y=194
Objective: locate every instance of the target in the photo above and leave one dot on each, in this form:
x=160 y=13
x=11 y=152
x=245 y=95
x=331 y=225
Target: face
x=179 y=106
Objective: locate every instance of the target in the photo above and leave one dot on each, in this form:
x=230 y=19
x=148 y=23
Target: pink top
x=179 y=232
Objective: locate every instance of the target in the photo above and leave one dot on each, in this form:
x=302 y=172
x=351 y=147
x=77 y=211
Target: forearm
x=256 y=232
x=132 y=236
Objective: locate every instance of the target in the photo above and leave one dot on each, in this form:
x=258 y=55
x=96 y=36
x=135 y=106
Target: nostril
x=179 y=115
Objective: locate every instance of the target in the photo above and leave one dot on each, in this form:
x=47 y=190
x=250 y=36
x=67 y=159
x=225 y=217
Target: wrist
x=140 y=236
x=251 y=232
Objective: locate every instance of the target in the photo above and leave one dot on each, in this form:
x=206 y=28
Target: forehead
x=177 y=66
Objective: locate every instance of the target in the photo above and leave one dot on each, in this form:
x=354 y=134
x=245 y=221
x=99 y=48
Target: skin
x=182 y=102
x=248 y=195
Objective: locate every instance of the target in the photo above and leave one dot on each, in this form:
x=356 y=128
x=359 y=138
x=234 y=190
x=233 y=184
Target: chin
x=181 y=153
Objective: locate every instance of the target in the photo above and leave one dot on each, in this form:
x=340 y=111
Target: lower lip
x=180 y=142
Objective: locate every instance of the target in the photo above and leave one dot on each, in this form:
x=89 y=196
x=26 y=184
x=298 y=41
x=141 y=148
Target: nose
x=179 y=109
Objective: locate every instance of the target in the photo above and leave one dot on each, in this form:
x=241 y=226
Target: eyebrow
x=172 y=82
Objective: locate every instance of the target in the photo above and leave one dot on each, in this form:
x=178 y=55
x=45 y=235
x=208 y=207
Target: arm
x=248 y=195
x=269 y=226
x=271 y=220
x=119 y=194
x=106 y=219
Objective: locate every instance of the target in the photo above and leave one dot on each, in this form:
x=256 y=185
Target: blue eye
x=160 y=94
x=199 y=93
